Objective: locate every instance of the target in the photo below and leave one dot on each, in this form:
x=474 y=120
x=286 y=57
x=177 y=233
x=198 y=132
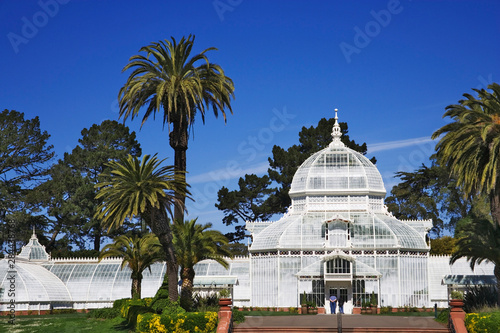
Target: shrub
x=238 y=316
x=206 y=303
x=478 y=297
x=104 y=313
x=224 y=293
x=165 y=305
x=443 y=316
x=134 y=311
x=127 y=303
x=63 y=311
x=117 y=304
x=482 y=322
x=386 y=309
x=455 y=294
x=180 y=323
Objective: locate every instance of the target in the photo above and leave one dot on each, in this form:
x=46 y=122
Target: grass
x=408 y=314
x=72 y=323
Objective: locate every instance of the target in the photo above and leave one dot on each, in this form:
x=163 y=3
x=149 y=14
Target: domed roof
x=33 y=283
x=368 y=230
x=34 y=250
x=337 y=170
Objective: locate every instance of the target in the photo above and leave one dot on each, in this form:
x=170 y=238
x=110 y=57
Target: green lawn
x=74 y=323
x=409 y=314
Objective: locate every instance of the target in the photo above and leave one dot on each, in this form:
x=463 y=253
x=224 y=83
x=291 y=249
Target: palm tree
x=144 y=189
x=138 y=253
x=480 y=241
x=168 y=78
x=193 y=243
x=471 y=145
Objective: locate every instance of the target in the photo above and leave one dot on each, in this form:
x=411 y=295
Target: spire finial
x=336 y=132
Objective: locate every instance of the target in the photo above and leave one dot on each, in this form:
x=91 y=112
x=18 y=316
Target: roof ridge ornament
x=336 y=133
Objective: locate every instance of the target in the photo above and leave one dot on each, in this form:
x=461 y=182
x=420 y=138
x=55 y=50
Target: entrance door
x=340 y=292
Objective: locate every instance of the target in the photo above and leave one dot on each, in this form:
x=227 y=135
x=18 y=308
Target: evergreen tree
x=24 y=157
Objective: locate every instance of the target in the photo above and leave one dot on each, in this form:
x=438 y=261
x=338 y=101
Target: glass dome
x=33 y=283
x=366 y=230
x=337 y=178
x=34 y=250
x=337 y=170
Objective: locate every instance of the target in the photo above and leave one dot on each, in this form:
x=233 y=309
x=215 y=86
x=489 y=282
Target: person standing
x=341 y=304
x=333 y=303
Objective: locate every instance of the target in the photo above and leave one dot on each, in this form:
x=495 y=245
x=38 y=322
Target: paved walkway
x=348 y=321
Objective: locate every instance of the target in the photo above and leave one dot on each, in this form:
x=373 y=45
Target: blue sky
x=390 y=67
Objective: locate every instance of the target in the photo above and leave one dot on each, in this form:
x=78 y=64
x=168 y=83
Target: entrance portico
x=338 y=269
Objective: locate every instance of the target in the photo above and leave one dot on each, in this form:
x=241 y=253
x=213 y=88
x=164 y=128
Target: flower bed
x=188 y=322
x=482 y=322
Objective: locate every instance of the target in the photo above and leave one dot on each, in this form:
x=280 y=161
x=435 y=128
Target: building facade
x=337 y=238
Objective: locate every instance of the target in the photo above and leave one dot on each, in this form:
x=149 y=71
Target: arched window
x=338 y=234
x=338 y=266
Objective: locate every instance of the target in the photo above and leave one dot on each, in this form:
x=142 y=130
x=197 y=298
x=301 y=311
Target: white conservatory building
x=336 y=238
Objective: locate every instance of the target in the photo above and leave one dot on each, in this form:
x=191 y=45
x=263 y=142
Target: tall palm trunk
x=97 y=239
x=136 y=288
x=187 y=276
x=495 y=206
x=179 y=142
x=496 y=272
x=160 y=226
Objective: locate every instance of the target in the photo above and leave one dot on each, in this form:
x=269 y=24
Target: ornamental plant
x=482 y=322
x=181 y=323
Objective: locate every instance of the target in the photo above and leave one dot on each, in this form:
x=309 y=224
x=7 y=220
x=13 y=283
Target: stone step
x=334 y=330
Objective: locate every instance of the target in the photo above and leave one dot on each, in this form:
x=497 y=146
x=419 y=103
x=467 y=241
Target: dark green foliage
x=480 y=241
x=166 y=306
x=118 y=304
x=429 y=193
x=253 y=201
x=161 y=303
x=443 y=316
x=127 y=303
x=193 y=243
x=104 y=313
x=68 y=196
x=385 y=309
x=134 y=311
x=62 y=311
x=162 y=291
x=238 y=249
x=478 y=297
x=443 y=246
x=194 y=319
x=24 y=154
x=65 y=253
